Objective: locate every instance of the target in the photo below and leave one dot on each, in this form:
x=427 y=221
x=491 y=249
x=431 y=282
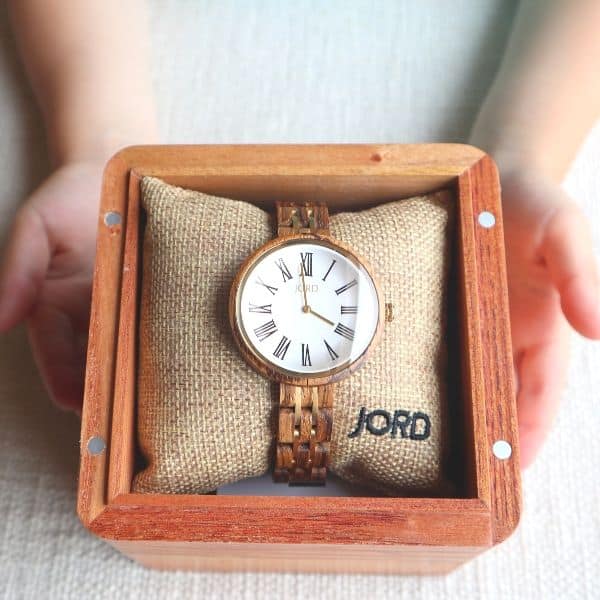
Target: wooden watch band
x=307 y=217
x=305 y=412
x=304 y=434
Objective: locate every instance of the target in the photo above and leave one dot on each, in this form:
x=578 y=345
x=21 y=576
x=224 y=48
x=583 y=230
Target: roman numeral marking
x=344 y=331
x=349 y=310
x=285 y=272
x=264 y=331
x=331 y=351
x=306 y=356
x=329 y=270
x=257 y=308
x=349 y=285
x=271 y=288
x=282 y=348
x=307 y=263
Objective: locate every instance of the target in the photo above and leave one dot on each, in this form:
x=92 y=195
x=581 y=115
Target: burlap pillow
x=206 y=419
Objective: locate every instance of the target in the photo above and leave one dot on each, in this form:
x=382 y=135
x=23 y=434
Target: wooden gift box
x=315 y=533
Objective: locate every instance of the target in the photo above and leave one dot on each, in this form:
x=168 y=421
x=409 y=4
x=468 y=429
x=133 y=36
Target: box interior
x=459 y=463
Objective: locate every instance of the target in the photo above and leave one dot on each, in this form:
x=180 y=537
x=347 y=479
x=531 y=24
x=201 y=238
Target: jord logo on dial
x=309 y=287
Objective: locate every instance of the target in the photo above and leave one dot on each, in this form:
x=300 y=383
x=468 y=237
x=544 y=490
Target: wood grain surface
x=314 y=558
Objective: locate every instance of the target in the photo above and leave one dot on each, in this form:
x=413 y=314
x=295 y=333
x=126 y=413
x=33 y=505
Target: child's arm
x=87 y=64
x=544 y=101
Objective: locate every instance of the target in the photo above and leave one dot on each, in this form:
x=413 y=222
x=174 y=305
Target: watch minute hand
x=305 y=308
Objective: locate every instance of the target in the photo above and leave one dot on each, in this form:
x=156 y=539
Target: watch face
x=307 y=308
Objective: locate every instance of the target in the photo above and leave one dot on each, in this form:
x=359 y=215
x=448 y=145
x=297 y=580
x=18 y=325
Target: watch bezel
x=270 y=370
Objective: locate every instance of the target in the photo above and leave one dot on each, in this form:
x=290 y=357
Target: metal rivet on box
x=112 y=218
x=96 y=445
x=486 y=219
x=502 y=449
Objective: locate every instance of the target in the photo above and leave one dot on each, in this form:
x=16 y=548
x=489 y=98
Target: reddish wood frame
x=353 y=534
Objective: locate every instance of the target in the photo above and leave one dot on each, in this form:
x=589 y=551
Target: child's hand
x=47 y=273
x=553 y=282
x=79 y=57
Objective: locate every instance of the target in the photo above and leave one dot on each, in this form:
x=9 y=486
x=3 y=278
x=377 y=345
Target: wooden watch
x=305 y=310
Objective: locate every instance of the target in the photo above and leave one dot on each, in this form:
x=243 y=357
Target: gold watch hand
x=305 y=308
x=320 y=316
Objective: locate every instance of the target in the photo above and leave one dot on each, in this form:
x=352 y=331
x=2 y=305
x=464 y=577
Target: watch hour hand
x=320 y=316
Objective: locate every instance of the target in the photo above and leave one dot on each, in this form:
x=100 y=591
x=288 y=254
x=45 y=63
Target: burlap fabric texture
x=205 y=418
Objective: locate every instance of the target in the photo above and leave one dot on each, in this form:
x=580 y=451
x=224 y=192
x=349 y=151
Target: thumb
x=568 y=253
x=25 y=264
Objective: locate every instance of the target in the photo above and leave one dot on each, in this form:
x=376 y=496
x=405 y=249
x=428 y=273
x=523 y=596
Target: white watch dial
x=307 y=308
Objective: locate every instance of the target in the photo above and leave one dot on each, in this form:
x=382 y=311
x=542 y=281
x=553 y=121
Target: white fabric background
x=266 y=71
